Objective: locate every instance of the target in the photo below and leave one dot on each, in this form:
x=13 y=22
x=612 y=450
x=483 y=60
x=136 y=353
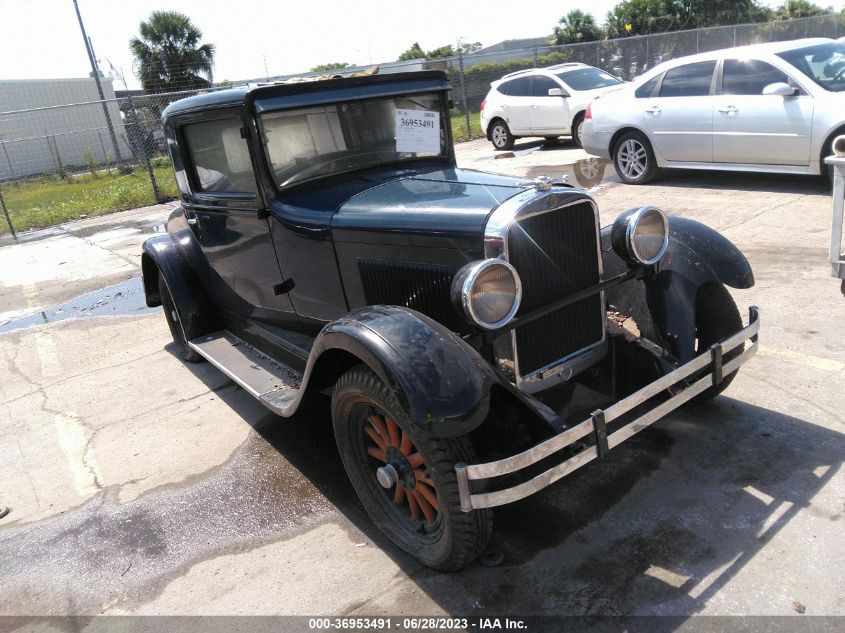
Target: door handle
x=729 y=110
x=654 y=110
x=192 y=219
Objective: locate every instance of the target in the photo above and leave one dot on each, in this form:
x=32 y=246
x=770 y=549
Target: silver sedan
x=766 y=107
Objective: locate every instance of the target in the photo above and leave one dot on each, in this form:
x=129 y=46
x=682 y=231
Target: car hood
x=442 y=203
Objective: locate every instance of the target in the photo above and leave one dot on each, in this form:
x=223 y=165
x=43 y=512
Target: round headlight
x=488 y=292
x=641 y=236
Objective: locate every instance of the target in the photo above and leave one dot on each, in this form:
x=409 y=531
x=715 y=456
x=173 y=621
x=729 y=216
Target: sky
x=41 y=38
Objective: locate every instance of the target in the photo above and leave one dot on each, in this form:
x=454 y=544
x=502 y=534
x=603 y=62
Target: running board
x=275 y=384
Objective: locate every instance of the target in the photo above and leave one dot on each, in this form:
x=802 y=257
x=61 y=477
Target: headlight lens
x=488 y=292
x=641 y=236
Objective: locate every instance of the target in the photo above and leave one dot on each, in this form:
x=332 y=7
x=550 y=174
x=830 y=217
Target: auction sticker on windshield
x=417 y=131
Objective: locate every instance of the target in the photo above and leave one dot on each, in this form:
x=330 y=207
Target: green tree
x=168 y=54
x=576 y=26
x=799 y=9
x=415 y=52
x=330 y=66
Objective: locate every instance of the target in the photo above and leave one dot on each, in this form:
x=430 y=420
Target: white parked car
x=547 y=102
x=766 y=107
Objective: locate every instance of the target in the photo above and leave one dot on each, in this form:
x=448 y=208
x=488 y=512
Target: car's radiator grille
x=422 y=287
x=555 y=254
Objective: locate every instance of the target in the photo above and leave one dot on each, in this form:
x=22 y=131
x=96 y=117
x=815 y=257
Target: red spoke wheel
x=405 y=477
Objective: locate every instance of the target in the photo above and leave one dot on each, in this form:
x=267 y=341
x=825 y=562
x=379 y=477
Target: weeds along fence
x=65 y=160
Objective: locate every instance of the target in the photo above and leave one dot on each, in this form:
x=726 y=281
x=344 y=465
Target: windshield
x=308 y=143
x=588 y=79
x=824 y=64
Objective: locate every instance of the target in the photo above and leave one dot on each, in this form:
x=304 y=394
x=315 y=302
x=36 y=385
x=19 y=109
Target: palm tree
x=576 y=26
x=168 y=54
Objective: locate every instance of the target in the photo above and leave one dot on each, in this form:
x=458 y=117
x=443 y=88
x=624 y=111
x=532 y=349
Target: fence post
x=8 y=219
x=464 y=91
x=105 y=154
x=11 y=169
x=734 y=35
x=647 y=58
x=535 y=57
x=145 y=149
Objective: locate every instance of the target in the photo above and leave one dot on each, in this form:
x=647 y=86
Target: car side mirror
x=557 y=92
x=779 y=89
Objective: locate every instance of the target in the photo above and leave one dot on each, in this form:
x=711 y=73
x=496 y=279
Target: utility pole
x=96 y=72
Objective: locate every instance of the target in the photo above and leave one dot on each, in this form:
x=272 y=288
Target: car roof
x=296 y=92
x=749 y=50
x=548 y=70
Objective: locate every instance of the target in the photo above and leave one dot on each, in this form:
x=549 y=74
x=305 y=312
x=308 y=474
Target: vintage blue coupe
x=479 y=335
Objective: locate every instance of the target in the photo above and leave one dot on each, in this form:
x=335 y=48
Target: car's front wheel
x=634 y=159
x=500 y=135
x=404 y=477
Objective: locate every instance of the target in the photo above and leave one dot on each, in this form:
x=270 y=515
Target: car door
x=549 y=115
x=679 y=118
x=225 y=213
x=517 y=109
x=752 y=128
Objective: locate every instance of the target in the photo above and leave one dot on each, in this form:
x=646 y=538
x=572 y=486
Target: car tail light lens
x=482 y=104
x=588 y=115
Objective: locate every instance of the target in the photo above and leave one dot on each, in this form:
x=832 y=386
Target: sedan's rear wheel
x=500 y=135
x=634 y=159
x=404 y=477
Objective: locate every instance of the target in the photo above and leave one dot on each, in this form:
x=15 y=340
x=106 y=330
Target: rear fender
x=196 y=311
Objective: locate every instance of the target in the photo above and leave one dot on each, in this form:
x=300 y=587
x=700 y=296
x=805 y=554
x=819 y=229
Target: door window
x=749 y=76
x=220 y=157
x=542 y=85
x=690 y=80
x=520 y=87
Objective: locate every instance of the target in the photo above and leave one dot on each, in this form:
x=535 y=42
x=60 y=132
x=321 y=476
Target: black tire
x=636 y=146
x=177 y=331
x=716 y=318
x=446 y=540
x=577 y=122
x=500 y=135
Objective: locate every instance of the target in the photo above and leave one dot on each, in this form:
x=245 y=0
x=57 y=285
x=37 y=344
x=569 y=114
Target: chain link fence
x=78 y=157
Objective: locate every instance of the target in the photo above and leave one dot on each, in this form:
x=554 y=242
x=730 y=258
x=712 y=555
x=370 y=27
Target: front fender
x=696 y=255
x=440 y=381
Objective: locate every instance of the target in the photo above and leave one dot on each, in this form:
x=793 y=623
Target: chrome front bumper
x=595 y=425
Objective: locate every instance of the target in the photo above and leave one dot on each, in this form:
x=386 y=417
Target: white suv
x=548 y=102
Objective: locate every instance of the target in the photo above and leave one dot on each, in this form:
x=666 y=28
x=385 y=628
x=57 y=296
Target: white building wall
x=36 y=138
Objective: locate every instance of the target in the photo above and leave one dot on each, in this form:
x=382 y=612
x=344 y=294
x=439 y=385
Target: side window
x=646 y=90
x=503 y=87
x=749 y=76
x=520 y=87
x=542 y=85
x=690 y=80
x=220 y=157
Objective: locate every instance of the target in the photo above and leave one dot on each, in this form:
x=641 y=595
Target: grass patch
x=459 y=126
x=50 y=200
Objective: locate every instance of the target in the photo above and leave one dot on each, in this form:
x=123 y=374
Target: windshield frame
x=447 y=154
x=801 y=53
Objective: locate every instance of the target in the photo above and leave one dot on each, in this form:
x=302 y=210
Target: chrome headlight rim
x=469 y=275
x=633 y=222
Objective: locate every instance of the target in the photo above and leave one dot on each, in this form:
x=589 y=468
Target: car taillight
x=482 y=104
x=588 y=115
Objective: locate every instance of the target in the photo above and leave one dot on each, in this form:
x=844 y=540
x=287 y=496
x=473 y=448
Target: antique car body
x=453 y=315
